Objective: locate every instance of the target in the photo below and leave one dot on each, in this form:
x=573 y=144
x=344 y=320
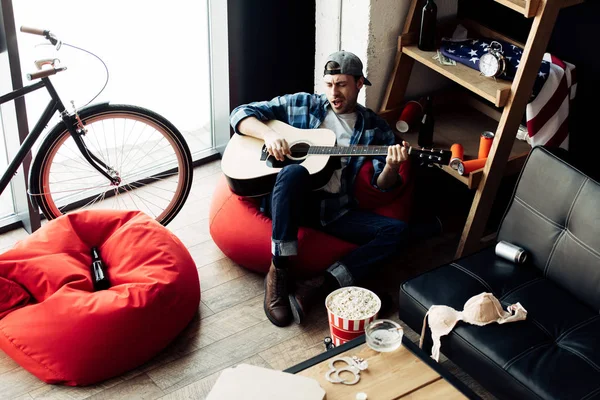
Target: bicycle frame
x=70 y=122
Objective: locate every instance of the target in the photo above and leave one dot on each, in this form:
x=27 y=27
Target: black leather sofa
x=555 y=353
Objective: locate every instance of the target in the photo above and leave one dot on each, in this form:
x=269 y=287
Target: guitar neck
x=345 y=151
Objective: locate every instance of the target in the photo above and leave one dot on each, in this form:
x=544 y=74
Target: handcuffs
x=354 y=365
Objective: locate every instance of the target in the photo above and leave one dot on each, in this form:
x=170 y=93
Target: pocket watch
x=492 y=63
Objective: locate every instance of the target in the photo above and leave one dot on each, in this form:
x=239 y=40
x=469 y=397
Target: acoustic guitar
x=251 y=171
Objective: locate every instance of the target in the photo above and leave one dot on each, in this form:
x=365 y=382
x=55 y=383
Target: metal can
x=460 y=167
x=485 y=144
x=466 y=167
x=328 y=343
x=457 y=155
x=510 y=252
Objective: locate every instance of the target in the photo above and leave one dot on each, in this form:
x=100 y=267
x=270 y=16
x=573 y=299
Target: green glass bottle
x=428 y=26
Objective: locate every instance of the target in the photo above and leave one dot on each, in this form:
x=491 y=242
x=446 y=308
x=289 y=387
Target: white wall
x=370 y=29
x=340 y=25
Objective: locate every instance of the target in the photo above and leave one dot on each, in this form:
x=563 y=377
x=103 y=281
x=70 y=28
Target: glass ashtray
x=384 y=335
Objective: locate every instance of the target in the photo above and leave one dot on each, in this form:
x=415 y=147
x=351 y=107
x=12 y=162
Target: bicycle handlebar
x=43 y=32
x=35 y=31
x=45 y=73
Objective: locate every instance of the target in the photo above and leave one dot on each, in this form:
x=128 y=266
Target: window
x=168 y=57
x=156 y=52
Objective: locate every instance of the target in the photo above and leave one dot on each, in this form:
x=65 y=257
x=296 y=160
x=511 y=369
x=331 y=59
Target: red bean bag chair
x=243 y=233
x=55 y=326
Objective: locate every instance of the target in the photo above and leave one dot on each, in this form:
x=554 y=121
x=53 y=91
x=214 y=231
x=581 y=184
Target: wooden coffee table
x=407 y=373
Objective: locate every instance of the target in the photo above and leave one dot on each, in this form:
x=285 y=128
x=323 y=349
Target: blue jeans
x=293 y=204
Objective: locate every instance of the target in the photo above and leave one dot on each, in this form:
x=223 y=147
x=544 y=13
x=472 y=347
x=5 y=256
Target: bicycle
x=100 y=153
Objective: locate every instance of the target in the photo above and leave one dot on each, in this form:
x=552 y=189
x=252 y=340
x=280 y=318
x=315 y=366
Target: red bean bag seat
x=55 y=326
x=243 y=233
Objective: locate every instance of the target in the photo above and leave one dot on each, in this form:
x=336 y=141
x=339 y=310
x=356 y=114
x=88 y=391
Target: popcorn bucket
x=349 y=310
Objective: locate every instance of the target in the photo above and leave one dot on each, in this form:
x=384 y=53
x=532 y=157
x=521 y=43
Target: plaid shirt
x=307 y=111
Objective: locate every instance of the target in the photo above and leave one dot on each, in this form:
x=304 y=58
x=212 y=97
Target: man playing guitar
x=293 y=203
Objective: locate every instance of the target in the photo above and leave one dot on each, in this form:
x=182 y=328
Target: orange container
x=485 y=144
x=458 y=154
x=466 y=167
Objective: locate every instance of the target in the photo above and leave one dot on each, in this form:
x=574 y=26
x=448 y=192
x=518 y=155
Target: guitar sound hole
x=299 y=150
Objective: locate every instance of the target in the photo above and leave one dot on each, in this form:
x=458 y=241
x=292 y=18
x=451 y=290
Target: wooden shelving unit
x=465 y=125
x=525 y=7
x=496 y=92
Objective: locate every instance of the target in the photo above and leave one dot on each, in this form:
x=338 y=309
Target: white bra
x=479 y=310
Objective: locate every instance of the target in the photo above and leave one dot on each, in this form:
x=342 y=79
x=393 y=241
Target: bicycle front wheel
x=143 y=149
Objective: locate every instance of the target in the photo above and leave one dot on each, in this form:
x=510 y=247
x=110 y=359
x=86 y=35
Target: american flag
x=548 y=114
x=554 y=89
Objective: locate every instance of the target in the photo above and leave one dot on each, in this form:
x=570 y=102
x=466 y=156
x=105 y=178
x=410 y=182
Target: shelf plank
x=529 y=7
x=478 y=30
x=495 y=91
x=517 y=5
x=464 y=125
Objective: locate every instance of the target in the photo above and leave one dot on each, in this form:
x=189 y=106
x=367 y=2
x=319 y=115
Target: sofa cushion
x=560 y=228
x=552 y=354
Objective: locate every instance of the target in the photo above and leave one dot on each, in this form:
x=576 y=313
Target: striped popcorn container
x=349 y=310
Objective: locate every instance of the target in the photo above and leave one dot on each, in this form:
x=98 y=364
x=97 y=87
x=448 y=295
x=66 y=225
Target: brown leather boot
x=277 y=304
x=307 y=294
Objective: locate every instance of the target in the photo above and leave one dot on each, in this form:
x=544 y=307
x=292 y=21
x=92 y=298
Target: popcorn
x=354 y=303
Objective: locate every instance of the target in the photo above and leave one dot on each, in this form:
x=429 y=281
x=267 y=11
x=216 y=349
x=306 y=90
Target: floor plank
x=8 y=239
x=26 y=396
x=6 y=363
x=17 y=382
x=205 y=311
x=202 y=332
x=221 y=354
x=307 y=344
x=219 y=272
x=193 y=234
x=245 y=287
x=204 y=187
x=192 y=212
x=59 y=392
x=206 y=253
x=141 y=387
x=220 y=326
x=200 y=389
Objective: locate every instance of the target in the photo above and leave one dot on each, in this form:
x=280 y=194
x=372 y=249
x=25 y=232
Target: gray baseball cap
x=349 y=63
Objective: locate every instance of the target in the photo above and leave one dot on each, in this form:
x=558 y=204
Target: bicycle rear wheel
x=142 y=148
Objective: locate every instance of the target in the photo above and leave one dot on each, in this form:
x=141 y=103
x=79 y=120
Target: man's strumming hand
x=276 y=145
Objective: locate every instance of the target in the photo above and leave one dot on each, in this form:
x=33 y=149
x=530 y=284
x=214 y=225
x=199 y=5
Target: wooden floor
x=230 y=327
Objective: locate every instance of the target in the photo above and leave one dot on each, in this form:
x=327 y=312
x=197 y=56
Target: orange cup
x=344 y=329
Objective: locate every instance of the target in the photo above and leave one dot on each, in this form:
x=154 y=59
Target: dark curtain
x=271 y=48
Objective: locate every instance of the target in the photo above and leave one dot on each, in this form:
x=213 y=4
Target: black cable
x=103 y=63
